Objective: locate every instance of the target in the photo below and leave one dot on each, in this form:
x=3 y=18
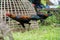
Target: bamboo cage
x=18 y=7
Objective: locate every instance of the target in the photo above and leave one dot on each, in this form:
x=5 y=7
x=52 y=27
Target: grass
x=49 y=32
x=43 y=33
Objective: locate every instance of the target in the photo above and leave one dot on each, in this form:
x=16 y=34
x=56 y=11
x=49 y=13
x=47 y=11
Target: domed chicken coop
x=18 y=7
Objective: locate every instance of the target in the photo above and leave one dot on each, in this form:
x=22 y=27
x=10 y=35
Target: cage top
x=19 y=7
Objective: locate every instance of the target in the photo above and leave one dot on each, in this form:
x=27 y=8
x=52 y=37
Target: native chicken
x=23 y=19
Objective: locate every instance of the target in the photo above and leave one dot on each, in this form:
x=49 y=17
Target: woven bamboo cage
x=18 y=7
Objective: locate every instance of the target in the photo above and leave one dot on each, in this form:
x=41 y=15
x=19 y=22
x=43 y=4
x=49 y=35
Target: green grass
x=49 y=32
x=44 y=33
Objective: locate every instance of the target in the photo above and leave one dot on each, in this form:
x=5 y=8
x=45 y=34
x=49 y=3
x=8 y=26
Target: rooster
x=23 y=19
x=26 y=19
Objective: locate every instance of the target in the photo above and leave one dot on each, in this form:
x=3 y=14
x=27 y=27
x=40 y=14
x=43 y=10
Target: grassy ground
x=43 y=33
x=49 y=32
